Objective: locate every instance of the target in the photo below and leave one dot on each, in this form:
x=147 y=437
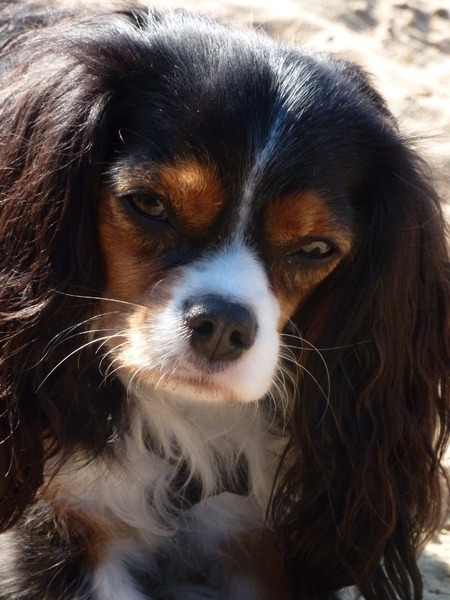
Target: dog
x=224 y=317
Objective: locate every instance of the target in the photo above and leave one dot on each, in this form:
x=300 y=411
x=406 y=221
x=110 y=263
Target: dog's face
x=207 y=326
x=213 y=224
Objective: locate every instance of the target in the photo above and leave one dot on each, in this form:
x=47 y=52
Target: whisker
x=329 y=349
x=111 y=369
x=68 y=356
x=279 y=386
x=131 y=379
x=63 y=335
x=326 y=392
x=103 y=299
x=106 y=356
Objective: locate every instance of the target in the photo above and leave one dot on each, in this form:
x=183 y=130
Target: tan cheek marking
x=196 y=195
x=137 y=285
x=291 y=299
x=288 y=301
x=128 y=275
x=287 y=222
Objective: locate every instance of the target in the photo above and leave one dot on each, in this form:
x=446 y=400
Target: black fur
x=359 y=486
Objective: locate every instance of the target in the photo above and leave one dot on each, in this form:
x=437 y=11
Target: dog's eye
x=317 y=249
x=148 y=205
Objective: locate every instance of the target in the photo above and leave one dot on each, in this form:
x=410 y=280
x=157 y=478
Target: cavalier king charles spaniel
x=224 y=318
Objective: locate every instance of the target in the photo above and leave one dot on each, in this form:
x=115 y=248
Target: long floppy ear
x=55 y=135
x=361 y=485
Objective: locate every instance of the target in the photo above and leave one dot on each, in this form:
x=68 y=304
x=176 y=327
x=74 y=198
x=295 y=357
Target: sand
x=406 y=48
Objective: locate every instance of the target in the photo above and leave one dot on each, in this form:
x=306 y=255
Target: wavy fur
x=360 y=483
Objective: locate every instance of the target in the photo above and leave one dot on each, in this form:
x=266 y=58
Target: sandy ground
x=406 y=48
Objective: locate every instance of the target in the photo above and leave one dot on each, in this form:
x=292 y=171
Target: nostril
x=220 y=329
x=236 y=338
x=205 y=329
x=199 y=323
x=243 y=337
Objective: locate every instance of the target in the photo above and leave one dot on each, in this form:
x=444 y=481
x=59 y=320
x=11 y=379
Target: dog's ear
x=361 y=481
x=66 y=92
x=55 y=135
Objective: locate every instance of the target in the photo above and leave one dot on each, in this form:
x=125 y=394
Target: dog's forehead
x=264 y=120
x=241 y=102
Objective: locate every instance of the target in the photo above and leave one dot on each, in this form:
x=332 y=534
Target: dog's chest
x=166 y=465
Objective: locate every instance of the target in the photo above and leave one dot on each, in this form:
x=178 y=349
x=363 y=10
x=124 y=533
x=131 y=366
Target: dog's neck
x=215 y=443
x=174 y=452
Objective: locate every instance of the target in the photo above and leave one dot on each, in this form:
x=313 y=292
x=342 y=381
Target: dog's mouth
x=194 y=385
x=208 y=331
x=189 y=376
x=210 y=350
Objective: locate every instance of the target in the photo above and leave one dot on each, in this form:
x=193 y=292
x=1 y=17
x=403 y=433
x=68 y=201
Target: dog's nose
x=220 y=330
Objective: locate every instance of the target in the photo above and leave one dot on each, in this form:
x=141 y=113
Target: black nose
x=220 y=329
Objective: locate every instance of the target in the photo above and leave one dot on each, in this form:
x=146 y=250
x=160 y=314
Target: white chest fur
x=132 y=494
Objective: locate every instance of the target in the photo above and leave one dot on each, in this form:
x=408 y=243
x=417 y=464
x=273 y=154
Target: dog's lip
x=195 y=387
x=195 y=367
x=189 y=377
x=189 y=373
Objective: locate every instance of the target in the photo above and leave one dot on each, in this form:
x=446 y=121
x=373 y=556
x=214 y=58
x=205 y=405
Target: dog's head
x=197 y=210
x=205 y=268
x=213 y=227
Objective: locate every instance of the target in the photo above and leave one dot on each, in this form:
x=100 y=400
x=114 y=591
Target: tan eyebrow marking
x=288 y=220
x=193 y=190
x=194 y=196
